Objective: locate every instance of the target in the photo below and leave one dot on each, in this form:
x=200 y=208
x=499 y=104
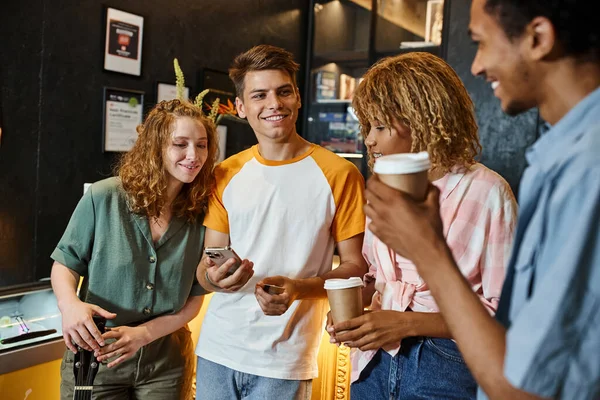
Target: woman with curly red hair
x=136 y=240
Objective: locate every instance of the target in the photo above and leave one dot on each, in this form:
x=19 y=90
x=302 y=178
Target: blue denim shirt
x=550 y=302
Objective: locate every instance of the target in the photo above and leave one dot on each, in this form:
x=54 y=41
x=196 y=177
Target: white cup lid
x=343 y=283
x=405 y=163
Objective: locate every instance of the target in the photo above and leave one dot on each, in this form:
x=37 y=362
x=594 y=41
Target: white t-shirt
x=285 y=216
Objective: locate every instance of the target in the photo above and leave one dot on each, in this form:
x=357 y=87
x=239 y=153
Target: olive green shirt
x=124 y=271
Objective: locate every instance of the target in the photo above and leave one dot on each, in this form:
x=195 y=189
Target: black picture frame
x=119 y=134
x=123 y=39
x=218 y=83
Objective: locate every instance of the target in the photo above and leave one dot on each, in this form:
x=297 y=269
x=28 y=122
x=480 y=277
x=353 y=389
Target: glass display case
x=30 y=326
x=345 y=38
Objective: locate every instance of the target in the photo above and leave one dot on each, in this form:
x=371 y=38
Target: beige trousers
x=161 y=370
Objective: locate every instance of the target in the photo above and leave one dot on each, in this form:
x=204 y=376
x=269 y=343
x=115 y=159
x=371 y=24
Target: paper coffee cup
x=345 y=298
x=406 y=172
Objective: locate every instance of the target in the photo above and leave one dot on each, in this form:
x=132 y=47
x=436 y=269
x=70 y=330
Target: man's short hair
x=260 y=58
x=575 y=22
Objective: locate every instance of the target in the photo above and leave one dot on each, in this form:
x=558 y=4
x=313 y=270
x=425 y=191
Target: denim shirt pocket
x=525 y=269
x=531 y=244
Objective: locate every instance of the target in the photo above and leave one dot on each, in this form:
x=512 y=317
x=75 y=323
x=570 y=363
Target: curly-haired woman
x=136 y=240
x=410 y=103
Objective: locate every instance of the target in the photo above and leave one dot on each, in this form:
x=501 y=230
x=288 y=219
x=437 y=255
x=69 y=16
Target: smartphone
x=273 y=289
x=221 y=254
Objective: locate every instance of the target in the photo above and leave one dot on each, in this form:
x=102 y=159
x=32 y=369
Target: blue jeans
x=424 y=368
x=217 y=382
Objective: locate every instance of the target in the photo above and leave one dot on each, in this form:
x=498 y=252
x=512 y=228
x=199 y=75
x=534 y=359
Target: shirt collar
x=449 y=181
x=548 y=148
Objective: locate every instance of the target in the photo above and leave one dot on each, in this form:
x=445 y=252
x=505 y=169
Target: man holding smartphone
x=284 y=203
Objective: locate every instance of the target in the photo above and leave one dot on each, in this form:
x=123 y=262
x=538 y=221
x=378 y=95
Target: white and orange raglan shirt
x=286 y=217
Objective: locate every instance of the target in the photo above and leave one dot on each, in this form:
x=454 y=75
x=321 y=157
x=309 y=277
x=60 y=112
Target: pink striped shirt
x=478 y=211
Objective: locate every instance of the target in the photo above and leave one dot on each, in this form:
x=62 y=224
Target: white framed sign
x=167 y=91
x=123 y=111
x=222 y=133
x=123 y=47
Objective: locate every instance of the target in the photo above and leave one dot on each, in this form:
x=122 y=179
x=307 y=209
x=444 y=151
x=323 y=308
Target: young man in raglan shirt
x=545 y=342
x=284 y=204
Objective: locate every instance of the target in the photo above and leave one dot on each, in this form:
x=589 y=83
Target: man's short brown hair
x=260 y=58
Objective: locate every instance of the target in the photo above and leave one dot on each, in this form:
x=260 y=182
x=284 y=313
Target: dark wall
x=504 y=139
x=52 y=81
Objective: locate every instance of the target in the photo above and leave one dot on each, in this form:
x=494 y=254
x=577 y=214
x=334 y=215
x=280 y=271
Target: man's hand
x=218 y=278
x=78 y=325
x=128 y=341
x=372 y=330
x=413 y=230
x=276 y=304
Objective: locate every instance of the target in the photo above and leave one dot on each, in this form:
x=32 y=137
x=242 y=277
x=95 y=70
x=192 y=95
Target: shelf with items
x=334 y=84
x=335 y=127
x=346 y=37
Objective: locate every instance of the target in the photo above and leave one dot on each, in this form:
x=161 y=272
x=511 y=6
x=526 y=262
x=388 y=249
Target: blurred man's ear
x=541 y=39
x=240 y=108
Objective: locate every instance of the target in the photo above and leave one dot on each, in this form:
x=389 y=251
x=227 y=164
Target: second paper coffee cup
x=345 y=298
x=406 y=172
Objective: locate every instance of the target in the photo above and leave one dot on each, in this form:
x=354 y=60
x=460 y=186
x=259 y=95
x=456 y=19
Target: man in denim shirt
x=546 y=339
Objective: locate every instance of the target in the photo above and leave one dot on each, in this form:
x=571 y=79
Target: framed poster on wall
x=222 y=133
x=167 y=91
x=123 y=46
x=123 y=111
x=218 y=83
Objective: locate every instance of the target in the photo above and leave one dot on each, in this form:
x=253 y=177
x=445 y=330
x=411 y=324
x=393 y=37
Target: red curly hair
x=142 y=172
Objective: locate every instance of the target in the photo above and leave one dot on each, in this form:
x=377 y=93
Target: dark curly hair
x=575 y=22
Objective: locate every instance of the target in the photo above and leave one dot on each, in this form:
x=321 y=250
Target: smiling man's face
x=270 y=102
x=502 y=61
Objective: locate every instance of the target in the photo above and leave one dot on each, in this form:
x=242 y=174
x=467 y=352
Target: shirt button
x=147 y=311
x=149 y=286
x=152 y=259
